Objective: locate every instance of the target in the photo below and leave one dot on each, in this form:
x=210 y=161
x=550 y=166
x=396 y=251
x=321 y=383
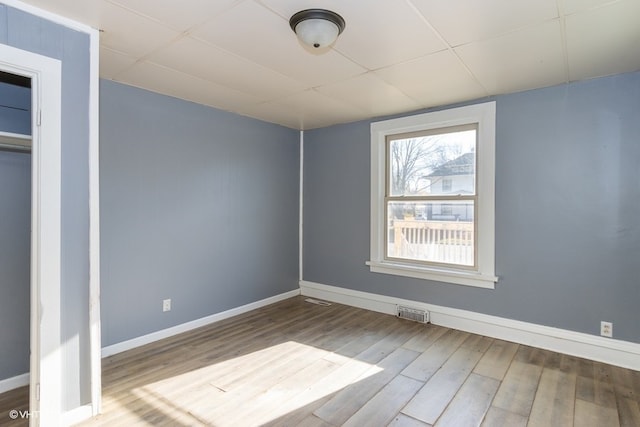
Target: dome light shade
x=318 y=28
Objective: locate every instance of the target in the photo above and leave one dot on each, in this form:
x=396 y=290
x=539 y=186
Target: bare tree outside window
x=411 y=159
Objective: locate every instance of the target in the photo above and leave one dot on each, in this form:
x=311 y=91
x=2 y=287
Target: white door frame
x=83 y=412
x=45 y=397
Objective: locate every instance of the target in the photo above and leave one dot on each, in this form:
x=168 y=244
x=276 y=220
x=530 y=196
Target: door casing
x=45 y=397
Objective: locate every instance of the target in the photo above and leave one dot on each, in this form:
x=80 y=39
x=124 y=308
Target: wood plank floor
x=15 y=400
x=299 y=364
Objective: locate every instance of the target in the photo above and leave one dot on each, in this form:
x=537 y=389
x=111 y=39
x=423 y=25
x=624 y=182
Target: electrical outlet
x=166 y=305
x=606 y=329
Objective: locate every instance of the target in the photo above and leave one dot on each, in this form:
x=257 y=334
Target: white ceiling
x=394 y=55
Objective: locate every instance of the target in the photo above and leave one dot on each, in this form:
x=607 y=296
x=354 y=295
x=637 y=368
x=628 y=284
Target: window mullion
x=409 y=199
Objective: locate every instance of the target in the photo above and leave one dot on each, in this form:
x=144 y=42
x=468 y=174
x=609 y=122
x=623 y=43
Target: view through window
x=430 y=196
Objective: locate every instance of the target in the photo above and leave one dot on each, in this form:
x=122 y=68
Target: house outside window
x=432 y=195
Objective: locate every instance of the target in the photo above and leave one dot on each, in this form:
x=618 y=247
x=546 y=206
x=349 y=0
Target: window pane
x=432 y=164
x=433 y=231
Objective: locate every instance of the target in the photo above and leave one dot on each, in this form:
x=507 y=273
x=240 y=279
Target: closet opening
x=15 y=245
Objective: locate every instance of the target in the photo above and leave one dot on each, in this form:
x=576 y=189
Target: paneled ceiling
x=394 y=55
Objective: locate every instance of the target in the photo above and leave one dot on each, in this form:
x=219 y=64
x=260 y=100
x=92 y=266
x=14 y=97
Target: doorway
x=15 y=230
x=44 y=75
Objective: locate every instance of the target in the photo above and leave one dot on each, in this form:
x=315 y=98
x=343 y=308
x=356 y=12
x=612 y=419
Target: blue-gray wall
x=197 y=205
x=15 y=235
x=28 y=32
x=567 y=229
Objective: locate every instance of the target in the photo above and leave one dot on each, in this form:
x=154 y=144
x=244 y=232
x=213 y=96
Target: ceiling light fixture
x=317 y=28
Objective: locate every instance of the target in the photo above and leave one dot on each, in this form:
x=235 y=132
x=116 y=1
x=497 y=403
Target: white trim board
x=615 y=352
x=14 y=382
x=185 y=327
x=94 y=226
x=301 y=210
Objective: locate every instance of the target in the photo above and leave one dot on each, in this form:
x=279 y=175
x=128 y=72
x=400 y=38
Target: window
x=421 y=169
x=432 y=196
x=447 y=183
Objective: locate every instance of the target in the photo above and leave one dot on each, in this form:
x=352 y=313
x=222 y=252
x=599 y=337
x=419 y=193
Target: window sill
x=458 y=277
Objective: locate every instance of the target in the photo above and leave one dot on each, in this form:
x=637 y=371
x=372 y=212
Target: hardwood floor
x=15 y=400
x=300 y=364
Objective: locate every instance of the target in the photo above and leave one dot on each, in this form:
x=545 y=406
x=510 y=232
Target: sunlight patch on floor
x=250 y=389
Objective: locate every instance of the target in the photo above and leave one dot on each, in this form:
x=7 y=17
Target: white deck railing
x=435 y=241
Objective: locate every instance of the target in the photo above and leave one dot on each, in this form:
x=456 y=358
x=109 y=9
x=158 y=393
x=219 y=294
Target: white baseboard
x=14 y=382
x=184 y=327
x=615 y=352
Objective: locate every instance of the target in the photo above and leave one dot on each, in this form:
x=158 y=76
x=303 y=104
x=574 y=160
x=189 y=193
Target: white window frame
x=483 y=275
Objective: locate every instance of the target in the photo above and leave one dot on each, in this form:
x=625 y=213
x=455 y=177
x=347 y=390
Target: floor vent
x=415 y=314
x=318 y=302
